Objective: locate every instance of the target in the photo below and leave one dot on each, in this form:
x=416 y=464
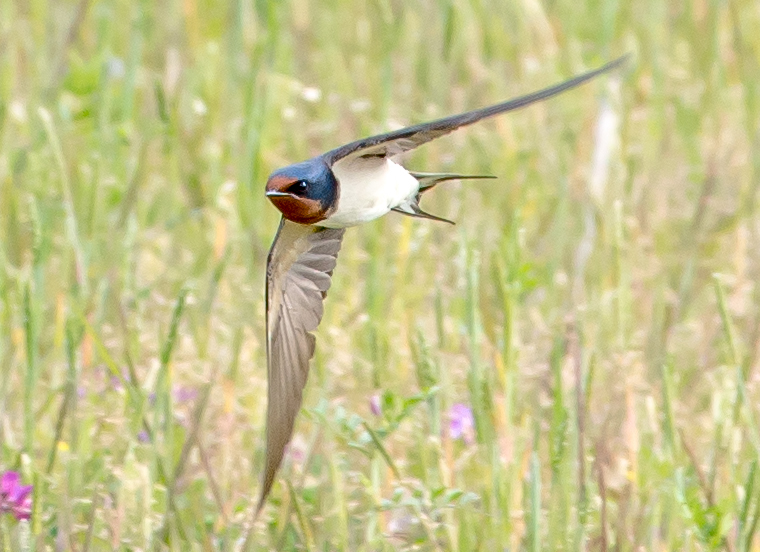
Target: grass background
x=597 y=305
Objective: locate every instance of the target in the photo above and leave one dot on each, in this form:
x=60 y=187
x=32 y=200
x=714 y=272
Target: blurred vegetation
x=597 y=306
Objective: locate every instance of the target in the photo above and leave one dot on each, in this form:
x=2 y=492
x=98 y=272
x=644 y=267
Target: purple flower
x=115 y=382
x=15 y=498
x=184 y=394
x=296 y=450
x=461 y=423
x=143 y=436
x=374 y=405
x=118 y=382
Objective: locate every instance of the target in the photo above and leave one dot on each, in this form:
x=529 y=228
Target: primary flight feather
x=319 y=198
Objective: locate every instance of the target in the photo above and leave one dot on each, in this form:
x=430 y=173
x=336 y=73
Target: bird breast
x=369 y=187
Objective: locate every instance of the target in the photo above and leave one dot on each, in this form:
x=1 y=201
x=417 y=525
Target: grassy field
x=597 y=306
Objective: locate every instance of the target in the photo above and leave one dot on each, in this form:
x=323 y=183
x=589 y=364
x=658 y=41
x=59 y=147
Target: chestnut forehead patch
x=279 y=182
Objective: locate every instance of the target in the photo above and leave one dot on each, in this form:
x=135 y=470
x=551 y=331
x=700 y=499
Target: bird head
x=305 y=193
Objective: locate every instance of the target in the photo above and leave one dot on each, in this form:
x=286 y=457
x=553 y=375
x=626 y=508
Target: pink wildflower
x=15 y=499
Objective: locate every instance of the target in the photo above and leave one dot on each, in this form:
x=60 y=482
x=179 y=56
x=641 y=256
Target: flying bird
x=320 y=198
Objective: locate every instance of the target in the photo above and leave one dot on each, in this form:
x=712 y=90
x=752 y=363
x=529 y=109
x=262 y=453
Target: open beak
x=273 y=193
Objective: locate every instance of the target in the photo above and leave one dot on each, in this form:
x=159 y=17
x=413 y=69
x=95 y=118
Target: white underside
x=368 y=189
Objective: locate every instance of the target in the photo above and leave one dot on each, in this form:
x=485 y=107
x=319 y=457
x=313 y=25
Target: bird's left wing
x=299 y=270
x=405 y=139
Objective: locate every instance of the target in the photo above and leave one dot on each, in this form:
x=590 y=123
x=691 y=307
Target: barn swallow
x=320 y=198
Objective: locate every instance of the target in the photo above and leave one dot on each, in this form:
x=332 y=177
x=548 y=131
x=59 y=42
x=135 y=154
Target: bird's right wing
x=405 y=139
x=299 y=271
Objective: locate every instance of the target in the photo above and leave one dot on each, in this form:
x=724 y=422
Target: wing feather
x=299 y=272
x=405 y=139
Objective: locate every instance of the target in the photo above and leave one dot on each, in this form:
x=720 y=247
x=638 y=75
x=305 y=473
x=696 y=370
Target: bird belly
x=368 y=189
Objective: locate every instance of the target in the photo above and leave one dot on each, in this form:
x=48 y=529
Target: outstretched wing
x=405 y=139
x=299 y=270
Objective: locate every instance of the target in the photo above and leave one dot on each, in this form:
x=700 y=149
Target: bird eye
x=299 y=188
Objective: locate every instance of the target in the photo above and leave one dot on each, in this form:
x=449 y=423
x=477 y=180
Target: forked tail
x=427 y=181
